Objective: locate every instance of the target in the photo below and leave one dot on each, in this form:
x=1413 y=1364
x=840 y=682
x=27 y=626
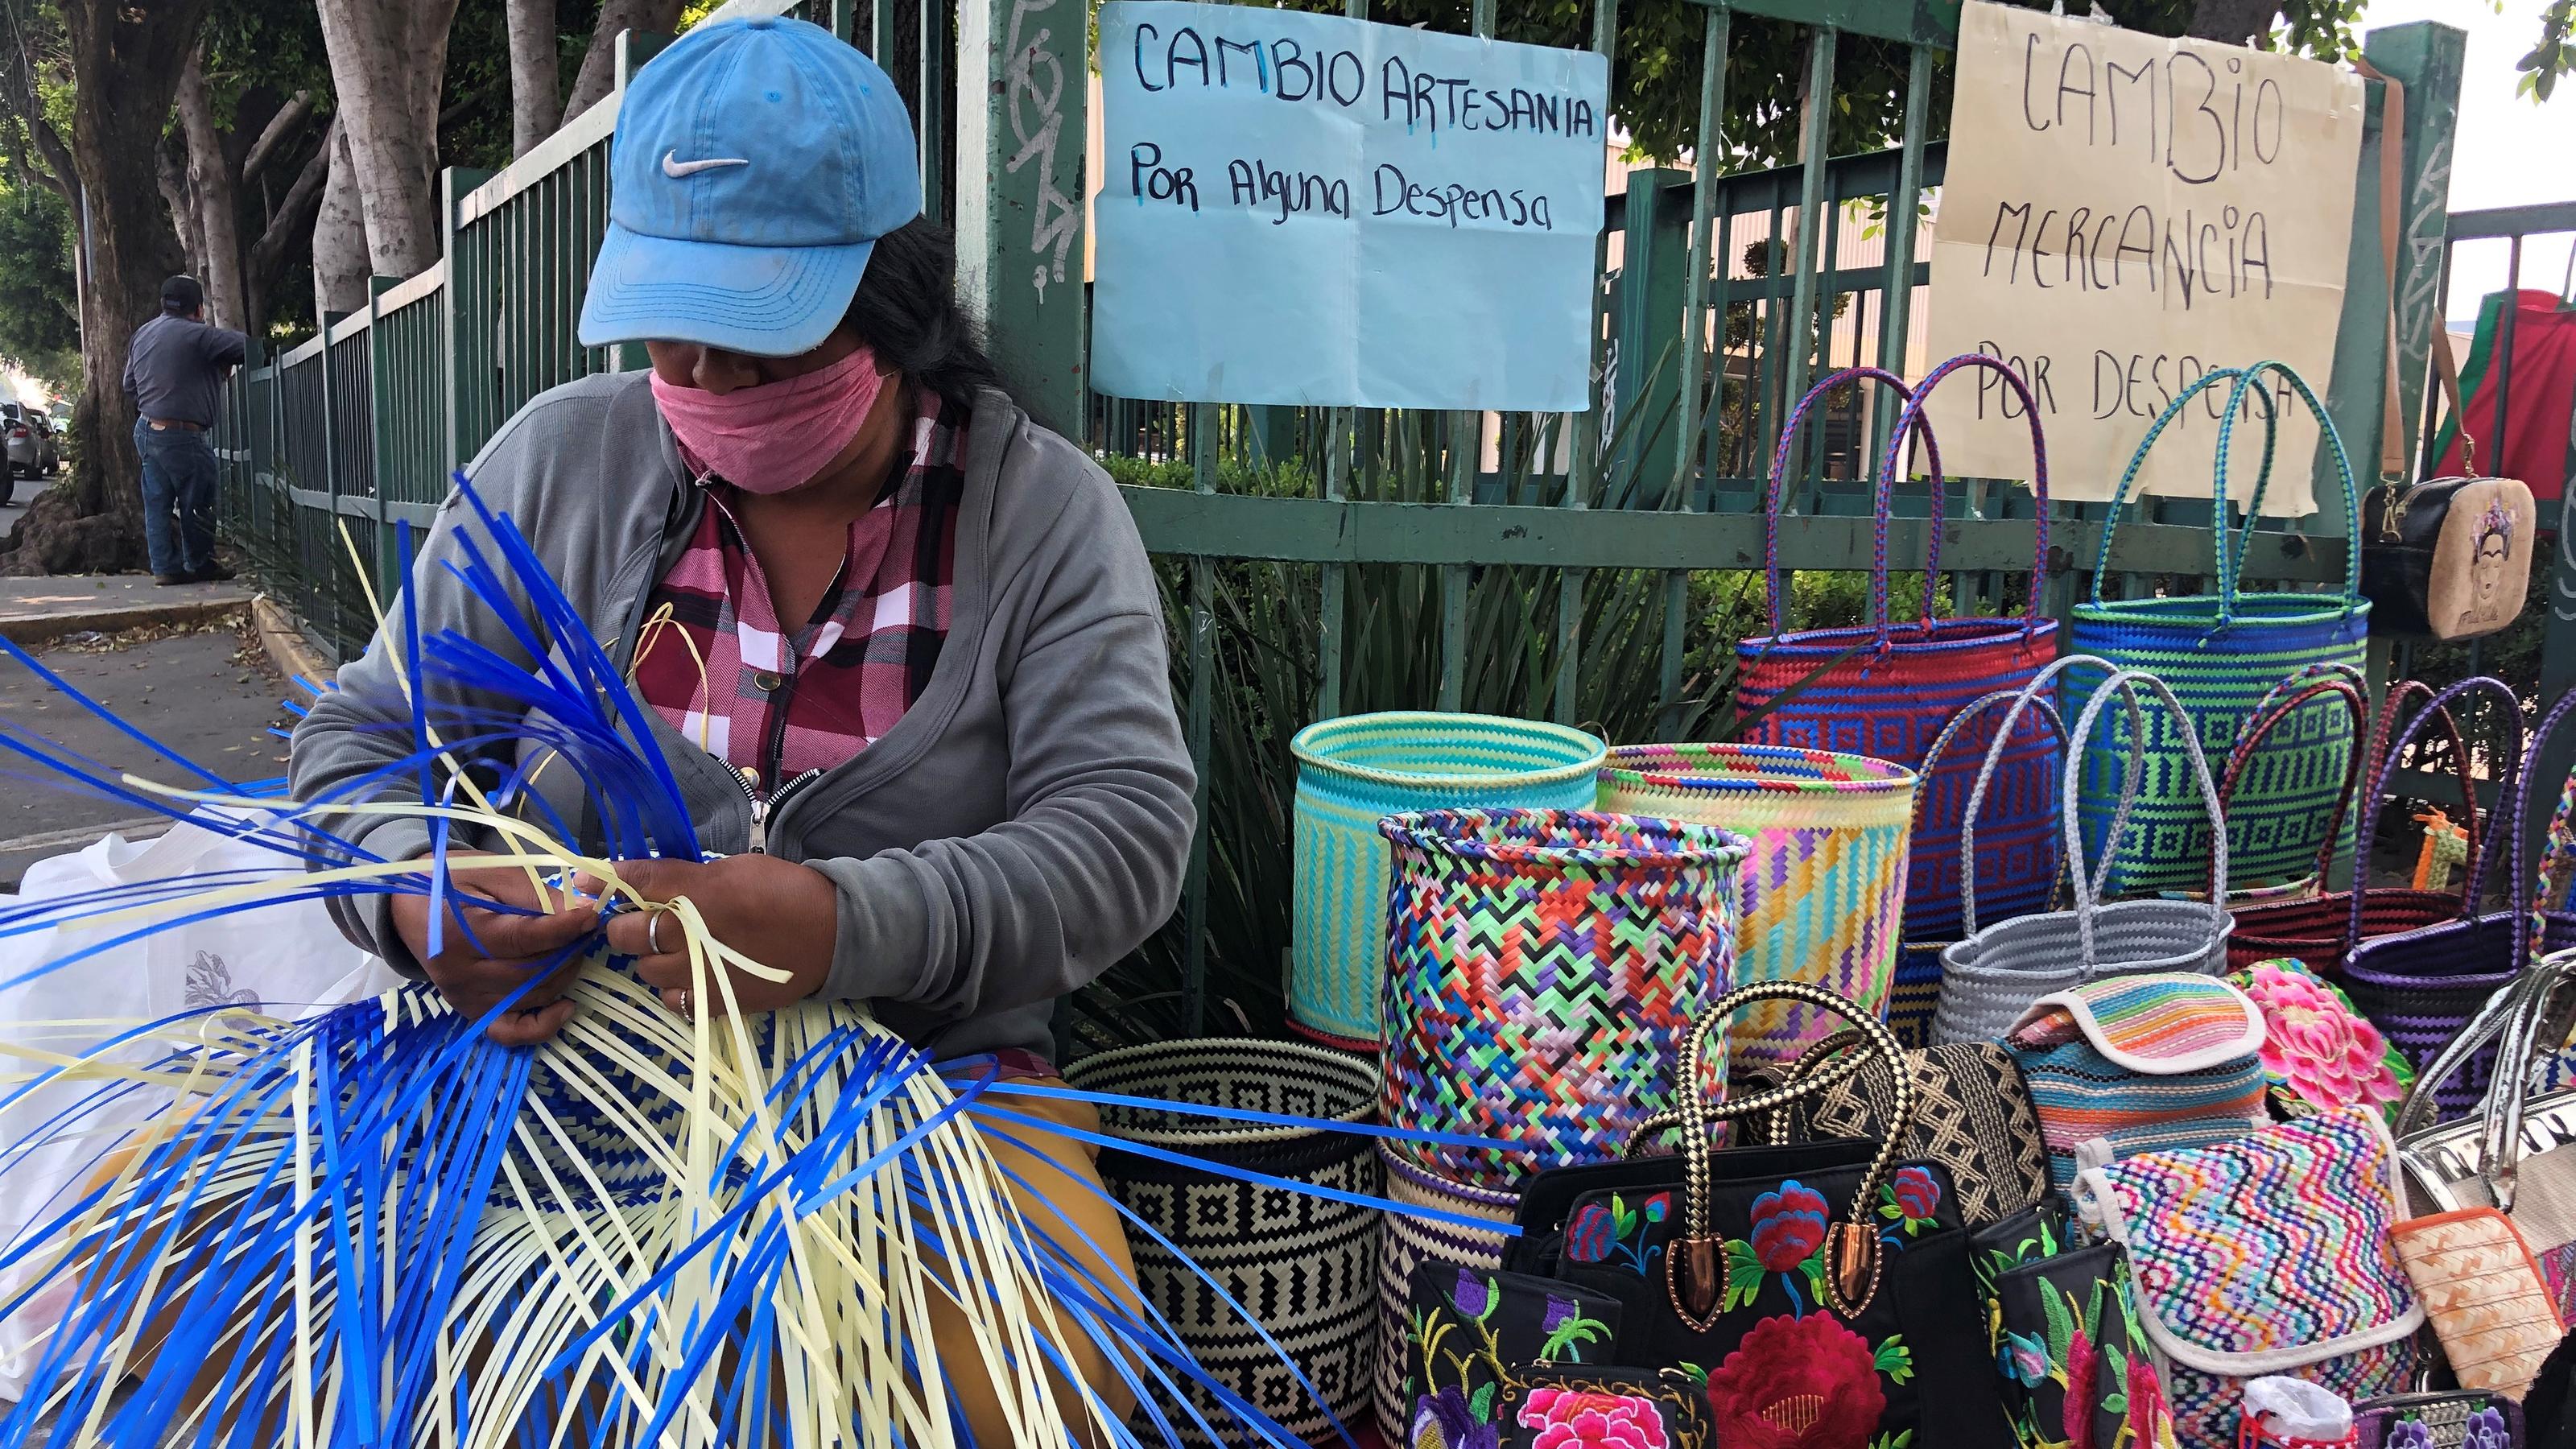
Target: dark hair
x=906 y=310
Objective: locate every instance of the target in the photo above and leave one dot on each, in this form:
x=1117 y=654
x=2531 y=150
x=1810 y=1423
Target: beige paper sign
x=2121 y=214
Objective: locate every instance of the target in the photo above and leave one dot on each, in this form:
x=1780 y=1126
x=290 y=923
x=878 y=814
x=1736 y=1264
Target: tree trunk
x=210 y=178
x=340 y=235
x=170 y=170
x=387 y=60
x=536 y=103
x=125 y=62
x=598 y=74
x=2231 y=21
x=290 y=231
x=278 y=134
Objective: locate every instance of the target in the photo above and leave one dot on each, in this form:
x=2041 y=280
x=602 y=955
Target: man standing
x=174 y=366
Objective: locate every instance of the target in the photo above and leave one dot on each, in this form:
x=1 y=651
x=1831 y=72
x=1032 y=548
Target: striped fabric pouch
x=2146 y=1063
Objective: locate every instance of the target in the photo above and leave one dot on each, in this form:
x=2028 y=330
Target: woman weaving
x=900 y=645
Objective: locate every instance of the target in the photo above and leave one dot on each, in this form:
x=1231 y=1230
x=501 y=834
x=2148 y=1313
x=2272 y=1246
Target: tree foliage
x=39 y=327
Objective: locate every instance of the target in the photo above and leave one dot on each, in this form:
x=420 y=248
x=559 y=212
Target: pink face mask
x=774 y=437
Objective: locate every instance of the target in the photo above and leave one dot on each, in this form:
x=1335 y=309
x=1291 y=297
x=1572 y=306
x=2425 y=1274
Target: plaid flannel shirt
x=777 y=703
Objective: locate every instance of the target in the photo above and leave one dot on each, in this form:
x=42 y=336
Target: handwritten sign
x=2121 y=214
x=1310 y=210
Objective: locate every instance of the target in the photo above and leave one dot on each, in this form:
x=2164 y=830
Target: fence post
x=466 y=306
x=1654 y=268
x=1022 y=88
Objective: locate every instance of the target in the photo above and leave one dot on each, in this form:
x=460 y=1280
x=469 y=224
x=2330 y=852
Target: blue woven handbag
x=2221 y=654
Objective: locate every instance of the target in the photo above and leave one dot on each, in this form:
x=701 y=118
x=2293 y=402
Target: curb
x=28 y=632
x=293 y=655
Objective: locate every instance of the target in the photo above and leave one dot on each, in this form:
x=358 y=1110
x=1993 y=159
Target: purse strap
x=2268 y=718
x=1775 y=598
x=2506 y=823
x=1911 y=418
x=2245 y=381
x=2088 y=885
x=2392 y=181
x=2132 y=780
x=1695 y=1269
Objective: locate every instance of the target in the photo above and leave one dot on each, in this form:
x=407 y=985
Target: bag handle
x=1968 y=830
x=2384 y=723
x=2088 y=886
x=2133 y=777
x=1911 y=418
x=1695 y=1270
x=2245 y=381
x=2392 y=181
x=2447 y=368
x=2267 y=718
x=2506 y=822
x=1775 y=599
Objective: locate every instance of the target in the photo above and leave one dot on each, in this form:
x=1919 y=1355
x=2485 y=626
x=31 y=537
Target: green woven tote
x=2221 y=654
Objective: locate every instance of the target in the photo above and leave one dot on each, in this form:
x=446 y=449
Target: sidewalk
x=40 y=610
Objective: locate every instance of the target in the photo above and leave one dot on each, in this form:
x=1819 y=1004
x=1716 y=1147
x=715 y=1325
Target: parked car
x=34 y=451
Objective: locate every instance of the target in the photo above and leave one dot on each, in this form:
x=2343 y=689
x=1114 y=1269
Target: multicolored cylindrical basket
x=1823 y=886
x=1888 y=690
x=1407 y=1240
x=1302 y=1266
x=2221 y=654
x=1353 y=772
x=1542 y=966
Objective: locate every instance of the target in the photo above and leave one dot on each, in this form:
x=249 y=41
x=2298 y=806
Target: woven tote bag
x=1886 y=690
x=2318 y=931
x=1994 y=973
x=1915 y=995
x=2421 y=987
x=2219 y=653
x=1407 y=1241
x=1822 y=881
x=1260 y=1257
x=1353 y=772
x=1541 y=967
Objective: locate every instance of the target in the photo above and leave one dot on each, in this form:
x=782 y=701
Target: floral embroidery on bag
x=1591 y=1419
x=1462 y=1413
x=2317 y=1050
x=1798 y=1383
x=1788 y=1238
x=1450 y=1420
x=1601 y=1233
x=2094 y=1376
x=1909 y=1201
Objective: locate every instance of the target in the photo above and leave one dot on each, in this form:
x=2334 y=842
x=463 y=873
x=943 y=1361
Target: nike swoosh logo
x=675 y=168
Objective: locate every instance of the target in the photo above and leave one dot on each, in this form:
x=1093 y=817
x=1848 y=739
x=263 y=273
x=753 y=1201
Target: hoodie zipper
x=766 y=807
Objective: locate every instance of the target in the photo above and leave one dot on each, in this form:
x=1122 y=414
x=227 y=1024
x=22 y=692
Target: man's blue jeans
x=178 y=478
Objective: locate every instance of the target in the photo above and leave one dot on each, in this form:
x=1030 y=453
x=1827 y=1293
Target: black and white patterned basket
x=1410 y=1240
x=1304 y=1267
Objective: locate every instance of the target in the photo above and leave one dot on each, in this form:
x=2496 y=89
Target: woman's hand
x=475 y=977
x=776 y=912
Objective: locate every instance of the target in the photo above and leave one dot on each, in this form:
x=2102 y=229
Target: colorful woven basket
x=1823 y=885
x=2220 y=654
x=1407 y=1240
x=1886 y=690
x=1355 y=771
x=1300 y=1266
x=1541 y=968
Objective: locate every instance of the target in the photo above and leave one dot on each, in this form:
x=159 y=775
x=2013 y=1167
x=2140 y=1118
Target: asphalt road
x=202 y=694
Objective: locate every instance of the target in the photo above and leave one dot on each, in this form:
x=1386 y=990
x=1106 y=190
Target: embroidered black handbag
x=1816 y=1295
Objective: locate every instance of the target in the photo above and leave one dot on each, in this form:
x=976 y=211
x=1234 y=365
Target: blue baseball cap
x=755 y=164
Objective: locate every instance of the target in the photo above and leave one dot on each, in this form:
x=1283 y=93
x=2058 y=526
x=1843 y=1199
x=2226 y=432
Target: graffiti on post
x=1037 y=124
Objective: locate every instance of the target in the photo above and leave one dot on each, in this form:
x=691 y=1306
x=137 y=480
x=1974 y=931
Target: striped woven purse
x=2140 y=1063
x=1886 y=690
x=2219 y=653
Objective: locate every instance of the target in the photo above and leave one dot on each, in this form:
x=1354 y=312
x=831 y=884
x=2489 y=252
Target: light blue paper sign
x=1302 y=209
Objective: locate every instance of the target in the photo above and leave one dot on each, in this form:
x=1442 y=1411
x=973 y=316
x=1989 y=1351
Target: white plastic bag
x=284 y=960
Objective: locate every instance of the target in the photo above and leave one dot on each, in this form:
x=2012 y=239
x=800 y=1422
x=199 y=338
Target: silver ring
x=684 y=1001
x=653 y=933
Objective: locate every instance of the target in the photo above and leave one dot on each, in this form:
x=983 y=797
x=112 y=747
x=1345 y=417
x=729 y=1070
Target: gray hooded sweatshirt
x=1022 y=826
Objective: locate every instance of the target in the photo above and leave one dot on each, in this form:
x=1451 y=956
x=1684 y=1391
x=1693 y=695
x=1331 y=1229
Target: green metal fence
x=1306 y=548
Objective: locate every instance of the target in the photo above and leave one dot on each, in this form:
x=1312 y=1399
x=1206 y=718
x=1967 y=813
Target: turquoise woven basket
x=1353 y=772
